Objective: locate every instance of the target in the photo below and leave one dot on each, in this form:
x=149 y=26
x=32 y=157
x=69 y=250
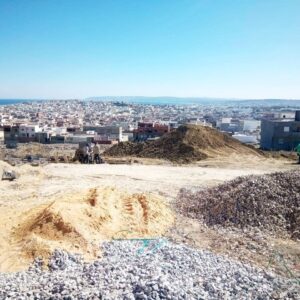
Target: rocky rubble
x=124 y=272
x=269 y=202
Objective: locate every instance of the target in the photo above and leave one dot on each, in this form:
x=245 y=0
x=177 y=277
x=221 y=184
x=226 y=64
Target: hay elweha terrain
x=198 y=215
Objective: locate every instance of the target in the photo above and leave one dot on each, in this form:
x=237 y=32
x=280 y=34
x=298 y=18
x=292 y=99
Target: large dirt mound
x=78 y=223
x=186 y=144
x=269 y=202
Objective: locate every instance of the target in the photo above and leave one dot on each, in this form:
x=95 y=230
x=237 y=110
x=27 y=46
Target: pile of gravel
x=269 y=202
x=166 y=272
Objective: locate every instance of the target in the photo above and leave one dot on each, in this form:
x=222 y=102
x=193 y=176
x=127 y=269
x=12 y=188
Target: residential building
x=106 y=132
x=27 y=133
x=280 y=134
x=148 y=130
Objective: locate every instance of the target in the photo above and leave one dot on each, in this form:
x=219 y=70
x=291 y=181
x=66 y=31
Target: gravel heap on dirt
x=76 y=223
x=186 y=144
x=168 y=272
x=270 y=202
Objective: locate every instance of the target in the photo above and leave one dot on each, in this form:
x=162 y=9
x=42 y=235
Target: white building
x=1 y=135
x=251 y=125
x=28 y=131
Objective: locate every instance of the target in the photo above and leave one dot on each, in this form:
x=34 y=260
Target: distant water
x=158 y=100
x=12 y=101
x=177 y=101
x=198 y=101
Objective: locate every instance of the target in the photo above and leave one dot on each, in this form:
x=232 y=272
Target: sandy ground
x=36 y=186
x=164 y=179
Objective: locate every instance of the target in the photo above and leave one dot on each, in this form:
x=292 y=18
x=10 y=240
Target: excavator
x=87 y=157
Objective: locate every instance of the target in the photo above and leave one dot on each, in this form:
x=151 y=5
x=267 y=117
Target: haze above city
x=219 y=49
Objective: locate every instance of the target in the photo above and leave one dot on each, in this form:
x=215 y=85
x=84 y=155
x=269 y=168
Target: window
x=286 y=129
x=280 y=141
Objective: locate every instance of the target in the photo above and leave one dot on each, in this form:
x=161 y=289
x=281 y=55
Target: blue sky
x=190 y=48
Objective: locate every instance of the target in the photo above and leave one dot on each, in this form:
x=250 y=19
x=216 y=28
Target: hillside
x=186 y=144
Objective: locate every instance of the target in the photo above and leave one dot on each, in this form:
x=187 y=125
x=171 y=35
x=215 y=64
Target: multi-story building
x=106 y=132
x=251 y=125
x=148 y=130
x=280 y=134
x=230 y=125
x=11 y=133
x=27 y=133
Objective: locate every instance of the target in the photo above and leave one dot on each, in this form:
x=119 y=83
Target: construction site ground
x=36 y=185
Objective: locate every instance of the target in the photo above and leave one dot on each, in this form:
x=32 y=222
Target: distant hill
x=174 y=101
x=157 y=100
x=196 y=100
x=186 y=144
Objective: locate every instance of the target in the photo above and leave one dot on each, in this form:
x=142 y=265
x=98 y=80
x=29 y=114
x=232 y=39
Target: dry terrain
x=60 y=205
x=186 y=144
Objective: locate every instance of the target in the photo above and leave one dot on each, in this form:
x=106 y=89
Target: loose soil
x=186 y=144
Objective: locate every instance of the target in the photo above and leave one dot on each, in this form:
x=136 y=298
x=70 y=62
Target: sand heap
x=186 y=144
x=268 y=202
x=35 y=172
x=78 y=223
x=5 y=166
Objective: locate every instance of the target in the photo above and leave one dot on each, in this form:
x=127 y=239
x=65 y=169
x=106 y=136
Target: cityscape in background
x=266 y=124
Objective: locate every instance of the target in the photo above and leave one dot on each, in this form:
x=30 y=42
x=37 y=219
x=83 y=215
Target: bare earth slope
x=186 y=144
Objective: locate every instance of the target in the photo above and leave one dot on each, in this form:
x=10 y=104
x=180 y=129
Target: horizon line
x=152 y=97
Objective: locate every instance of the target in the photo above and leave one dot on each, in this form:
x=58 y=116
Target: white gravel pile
x=126 y=271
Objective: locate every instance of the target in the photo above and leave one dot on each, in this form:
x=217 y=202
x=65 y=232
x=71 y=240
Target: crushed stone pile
x=170 y=272
x=78 y=222
x=186 y=144
x=270 y=202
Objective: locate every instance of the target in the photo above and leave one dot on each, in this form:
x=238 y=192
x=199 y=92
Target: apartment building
x=280 y=134
x=27 y=133
x=106 y=132
x=146 y=130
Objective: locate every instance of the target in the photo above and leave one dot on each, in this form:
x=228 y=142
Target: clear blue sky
x=215 y=48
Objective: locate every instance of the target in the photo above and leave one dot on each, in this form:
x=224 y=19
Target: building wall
x=27 y=133
x=150 y=130
x=280 y=135
x=251 y=125
x=1 y=135
x=43 y=137
x=266 y=134
x=10 y=133
x=76 y=139
x=109 y=131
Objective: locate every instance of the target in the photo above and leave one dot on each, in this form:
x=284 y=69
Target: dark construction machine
x=85 y=155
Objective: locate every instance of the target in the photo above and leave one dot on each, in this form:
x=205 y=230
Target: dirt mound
x=36 y=173
x=269 y=202
x=78 y=223
x=4 y=166
x=186 y=144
